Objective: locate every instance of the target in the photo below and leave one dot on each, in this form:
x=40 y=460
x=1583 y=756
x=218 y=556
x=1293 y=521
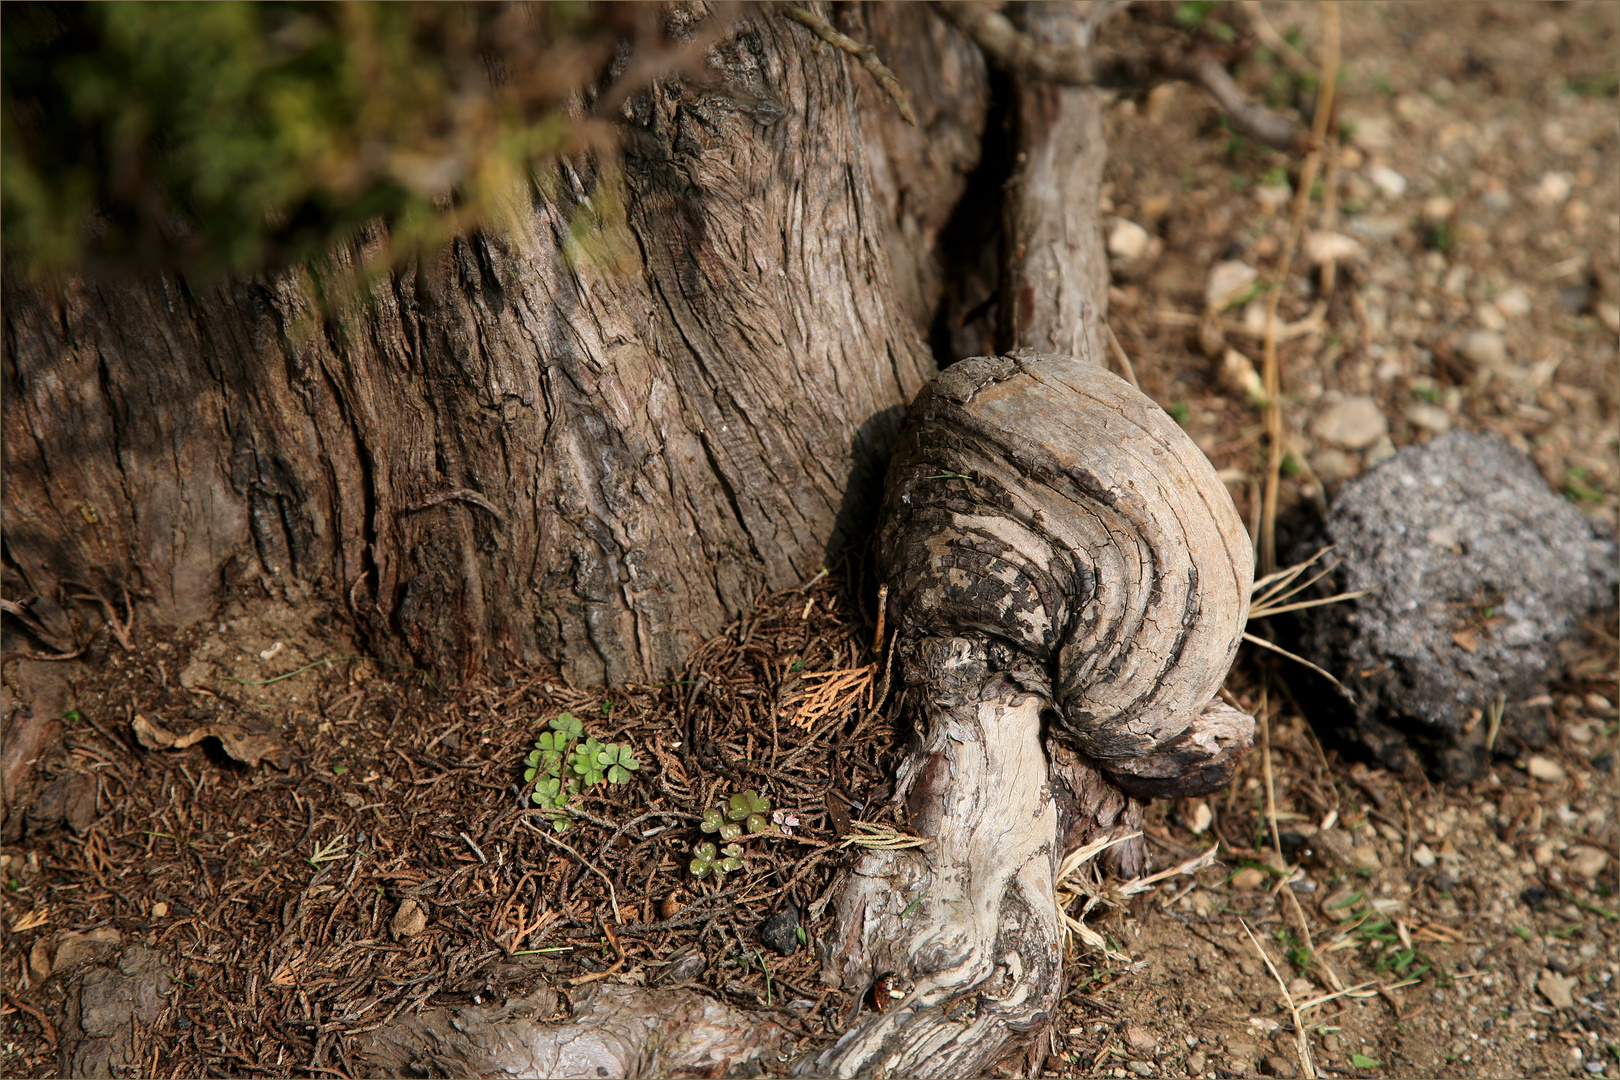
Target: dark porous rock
x=1477 y=570
x=781 y=931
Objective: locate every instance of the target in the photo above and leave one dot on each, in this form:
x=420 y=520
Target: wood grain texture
x=517 y=448
x=1063 y=564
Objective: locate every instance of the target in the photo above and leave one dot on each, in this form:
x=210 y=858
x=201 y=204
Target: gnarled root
x=967 y=929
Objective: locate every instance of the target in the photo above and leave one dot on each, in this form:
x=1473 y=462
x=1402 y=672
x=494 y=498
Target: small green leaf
x=1362 y=1061
x=339 y=770
x=730 y=830
x=529 y=775
x=757 y=823
x=803 y=937
x=712 y=819
x=566 y=724
x=73 y=716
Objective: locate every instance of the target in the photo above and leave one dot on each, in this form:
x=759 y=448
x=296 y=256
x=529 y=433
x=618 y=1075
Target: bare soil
x=1475 y=928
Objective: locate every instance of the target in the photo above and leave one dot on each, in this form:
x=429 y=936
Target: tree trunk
x=538 y=446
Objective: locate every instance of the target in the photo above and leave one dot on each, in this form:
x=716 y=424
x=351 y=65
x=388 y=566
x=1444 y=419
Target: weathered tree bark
x=523 y=448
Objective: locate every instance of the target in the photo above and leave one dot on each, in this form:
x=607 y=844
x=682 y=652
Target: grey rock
x=1477 y=570
x=781 y=931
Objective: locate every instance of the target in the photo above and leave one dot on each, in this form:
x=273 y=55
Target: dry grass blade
x=1301 y=1043
x=1264 y=644
x=866 y=54
x=1270 y=372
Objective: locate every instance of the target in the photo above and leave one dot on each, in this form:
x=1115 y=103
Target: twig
x=613 y=895
x=1270 y=376
x=120 y=630
x=866 y=54
x=1297 y=61
x=1302 y=1044
x=35 y=1012
x=1122 y=357
x=1016 y=52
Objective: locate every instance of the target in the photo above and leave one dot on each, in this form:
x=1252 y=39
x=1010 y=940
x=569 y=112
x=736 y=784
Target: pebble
x=1300 y=990
x=1279 y=1066
x=1423 y=855
x=1352 y=423
x=159 y=910
x=1199 y=817
x=410 y=920
x=1333 y=466
x=1545 y=768
x=1557 y=989
x=1140 y=1068
x=1490 y=318
x=1486 y=348
x=1514 y=303
x=1238 y=374
x=1585 y=862
x=1437 y=209
x=1599 y=704
x=1390 y=184
x=1378 y=452
x=1249 y=879
x=1553 y=188
x=1227 y=282
x=1196 y=1063
x=1127 y=240
x=1140 y=1039
x=1428 y=417
x=1326 y=247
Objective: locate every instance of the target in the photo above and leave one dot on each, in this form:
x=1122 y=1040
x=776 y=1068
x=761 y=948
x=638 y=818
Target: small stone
x=1249 y=879
x=1490 y=318
x=1273 y=197
x=1243 y=1054
x=1128 y=241
x=1423 y=855
x=1595 y=1066
x=1552 y=189
x=1140 y=1068
x=1484 y=348
x=1239 y=375
x=1326 y=247
x=160 y=910
x=1428 y=417
x=1352 y=423
x=1199 y=817
x=1140 y=1039
x=1334 y=466
x=1277 y=1065
x=1586 y=862
x=410 y=920
x=1545 y=768
x=1542 y=854
x=1227 y=283
x=1513 y=304
x=1557 y=989
x=1372 y=134
x=1437 y=209
x=1196 y=1063
x=1390 y=184
x=1300 y=989
x=1597 y=703
x=781 y=931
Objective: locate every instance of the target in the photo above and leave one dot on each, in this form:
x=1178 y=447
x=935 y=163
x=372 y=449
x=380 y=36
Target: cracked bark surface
x=520 y=448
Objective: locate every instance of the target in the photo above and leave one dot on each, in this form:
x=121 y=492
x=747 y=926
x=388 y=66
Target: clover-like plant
x=744 y=811
x=750 y=808
x=560 y=767
x=706 y=860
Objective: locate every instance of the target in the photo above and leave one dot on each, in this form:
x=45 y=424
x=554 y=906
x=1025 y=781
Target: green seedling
x=1362 y=1061
x=560 y=767
x=750 y=808
x=706 y=860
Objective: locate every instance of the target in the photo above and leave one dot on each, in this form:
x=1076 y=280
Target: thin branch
x=1123 y=358
x=866 y=54
x=1016 y=52
x=1297 y=61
